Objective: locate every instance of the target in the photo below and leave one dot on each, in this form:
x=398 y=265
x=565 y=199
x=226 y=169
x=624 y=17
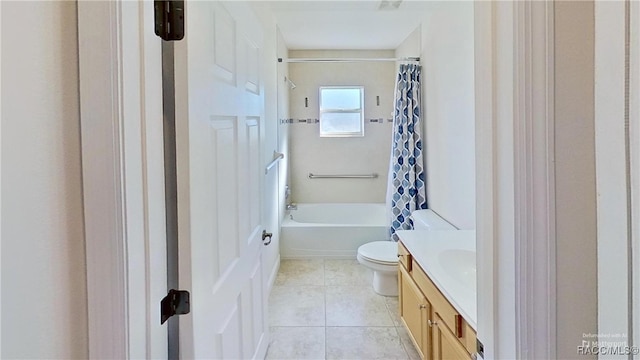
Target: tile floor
x=327 y=309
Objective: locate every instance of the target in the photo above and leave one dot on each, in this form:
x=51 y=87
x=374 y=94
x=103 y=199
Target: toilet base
x=385 y=283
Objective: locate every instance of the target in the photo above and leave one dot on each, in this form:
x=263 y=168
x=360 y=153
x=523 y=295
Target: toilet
x=382 y=256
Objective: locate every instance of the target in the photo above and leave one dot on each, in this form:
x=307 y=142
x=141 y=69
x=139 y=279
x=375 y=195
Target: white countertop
x=430 y=250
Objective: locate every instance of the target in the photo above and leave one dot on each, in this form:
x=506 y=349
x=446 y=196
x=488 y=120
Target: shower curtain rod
x=301 y=60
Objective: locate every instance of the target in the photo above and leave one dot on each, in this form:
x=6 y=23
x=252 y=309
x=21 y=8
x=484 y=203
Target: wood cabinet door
x=445 y=345
x=414 y=311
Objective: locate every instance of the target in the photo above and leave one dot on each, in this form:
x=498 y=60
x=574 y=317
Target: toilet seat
x=382 y=258
x=380 y=252
x=378 y=261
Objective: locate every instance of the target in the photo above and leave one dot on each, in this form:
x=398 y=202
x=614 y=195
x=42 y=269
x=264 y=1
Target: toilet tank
x=428 y=220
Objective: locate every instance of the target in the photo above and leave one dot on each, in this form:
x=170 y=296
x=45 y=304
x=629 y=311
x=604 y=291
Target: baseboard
x=262 y=348
x=274 y=274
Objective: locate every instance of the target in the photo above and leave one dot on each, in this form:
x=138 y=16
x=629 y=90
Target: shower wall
x=309 y=153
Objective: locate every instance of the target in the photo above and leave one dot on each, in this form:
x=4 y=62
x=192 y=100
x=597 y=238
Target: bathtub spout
x=292 y=206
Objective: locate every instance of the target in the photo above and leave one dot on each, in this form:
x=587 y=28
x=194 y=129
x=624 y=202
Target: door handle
x=266 y=235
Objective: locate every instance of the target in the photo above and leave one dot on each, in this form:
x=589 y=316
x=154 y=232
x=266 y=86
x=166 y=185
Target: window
x=341 y=111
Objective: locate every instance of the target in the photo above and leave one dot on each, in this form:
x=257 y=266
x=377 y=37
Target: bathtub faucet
x=292 y=206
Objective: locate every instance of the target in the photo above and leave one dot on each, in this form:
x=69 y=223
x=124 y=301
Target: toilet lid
x=380 y=251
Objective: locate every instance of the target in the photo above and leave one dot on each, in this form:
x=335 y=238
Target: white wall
x=449 y=108
x=575 y=176
x=411 y=46
x=357 y=155
x=284 y=175
x=44 y=313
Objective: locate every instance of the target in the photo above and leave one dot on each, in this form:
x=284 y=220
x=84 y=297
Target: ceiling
x=356 y=25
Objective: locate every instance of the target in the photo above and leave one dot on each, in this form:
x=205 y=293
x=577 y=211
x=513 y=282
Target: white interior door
x=219 y=127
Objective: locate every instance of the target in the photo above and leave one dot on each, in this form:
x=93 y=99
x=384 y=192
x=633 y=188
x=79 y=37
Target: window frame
x=359 y=110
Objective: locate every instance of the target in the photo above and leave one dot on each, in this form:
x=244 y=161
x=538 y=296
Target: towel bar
x=276 y=157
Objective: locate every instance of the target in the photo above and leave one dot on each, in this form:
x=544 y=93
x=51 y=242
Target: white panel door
x=219 y=125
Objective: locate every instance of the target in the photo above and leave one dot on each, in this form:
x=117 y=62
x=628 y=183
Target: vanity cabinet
x=438 y=331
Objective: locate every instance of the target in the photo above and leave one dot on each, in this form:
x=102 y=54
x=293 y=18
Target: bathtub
x=331 y=230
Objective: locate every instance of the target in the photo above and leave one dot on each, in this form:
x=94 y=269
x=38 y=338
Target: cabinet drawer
x=404 y=257
x=469 y=339
x=440 y=306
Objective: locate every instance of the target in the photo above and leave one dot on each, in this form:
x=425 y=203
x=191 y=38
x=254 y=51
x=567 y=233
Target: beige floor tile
x=364 y=343
x=408 y=344
x=297 y=343
x=392 y=306
x=301 y=272
x=356 y=306
x=347 y=272
x=297 y=306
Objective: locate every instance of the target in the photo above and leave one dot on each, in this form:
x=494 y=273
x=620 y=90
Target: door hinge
x=175 y=303
x=169 y=19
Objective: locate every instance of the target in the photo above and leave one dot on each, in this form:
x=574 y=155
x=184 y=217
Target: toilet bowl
x=382 y=256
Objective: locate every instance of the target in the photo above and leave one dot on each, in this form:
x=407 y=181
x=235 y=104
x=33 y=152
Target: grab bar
x=367 y=176
x=276 y=157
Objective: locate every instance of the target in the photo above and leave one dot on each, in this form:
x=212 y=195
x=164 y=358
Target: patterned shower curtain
x=406 y=186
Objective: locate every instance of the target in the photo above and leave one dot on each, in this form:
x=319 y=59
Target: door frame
x=514 y=69
x=634 y=114
x=123 y=180
x=618 y=166
x=112 y=69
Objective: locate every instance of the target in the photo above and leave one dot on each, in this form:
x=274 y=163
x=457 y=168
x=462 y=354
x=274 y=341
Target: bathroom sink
x=460 y=265
x=448 y=258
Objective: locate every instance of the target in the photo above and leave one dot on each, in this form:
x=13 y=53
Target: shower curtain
x=406 y=185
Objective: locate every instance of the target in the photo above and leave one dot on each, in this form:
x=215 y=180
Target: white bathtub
x=331 y=230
